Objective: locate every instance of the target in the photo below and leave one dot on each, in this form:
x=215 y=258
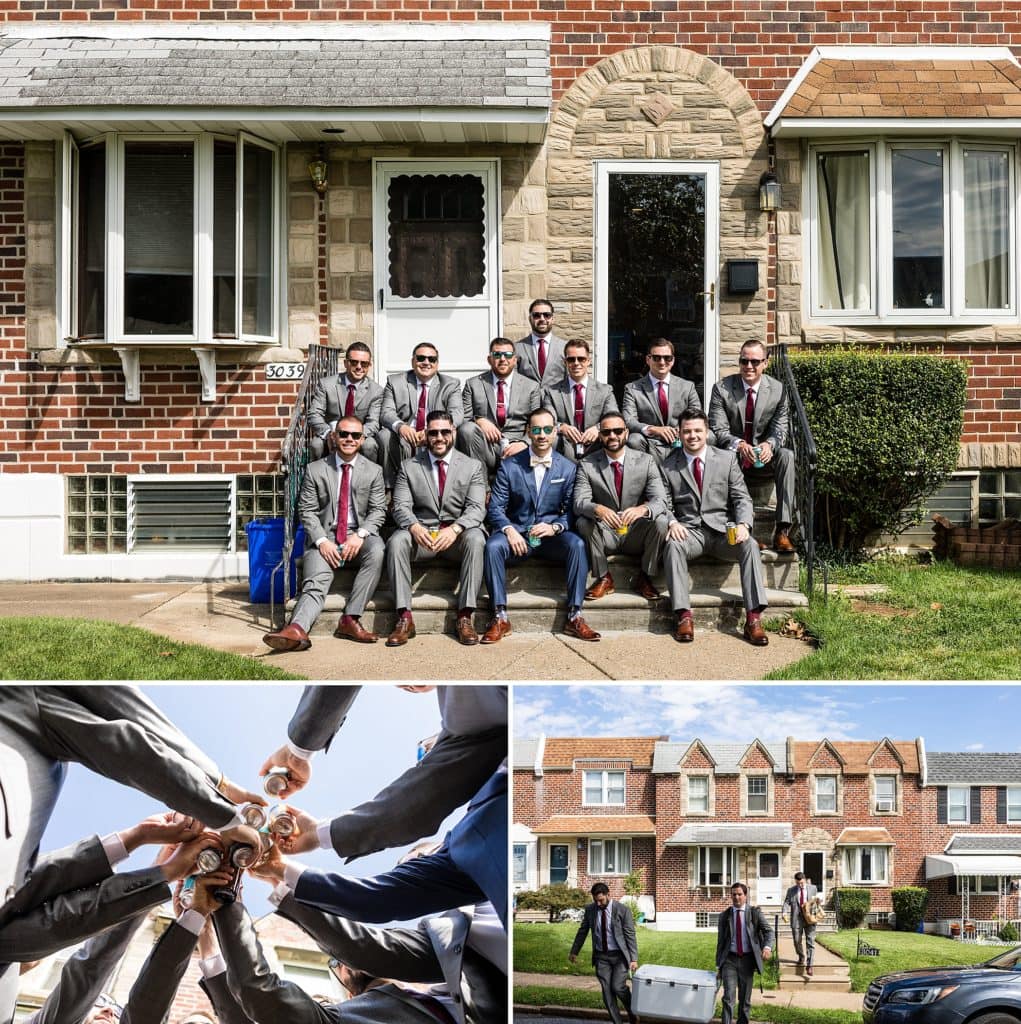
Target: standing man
x=743 y=940
x=707 y=490
x=748 y=415
x=439 y=507
x=530 y=509
x=614 y=948
x=652 y=405
x=495 y=406
x=799 y=897
x=407 y=401
x=621 y=506
x=342 y=505
x=541 y=353
x=351 y=393
x=578 y=402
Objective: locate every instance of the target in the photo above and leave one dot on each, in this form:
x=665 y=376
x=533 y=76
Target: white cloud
x=975 y=746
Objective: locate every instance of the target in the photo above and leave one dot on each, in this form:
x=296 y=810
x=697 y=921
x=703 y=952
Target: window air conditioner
x=884 y=805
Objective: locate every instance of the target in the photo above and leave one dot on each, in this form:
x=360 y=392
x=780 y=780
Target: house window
x=958 y=801
x=717 y=865
x=985 y=885
x=886 y=794
x=867 y=864
x=97 y=515
x=918 y=230
x=698 y=794
x=173 y=239
x=520 y=862
x=1013 y=805
x=999 y=495
x=609 y=856
x=758 y=794
x=604 y=788
x=826 y=794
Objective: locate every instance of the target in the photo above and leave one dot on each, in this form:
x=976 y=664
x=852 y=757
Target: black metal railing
x=294 y=455
x=800 y=440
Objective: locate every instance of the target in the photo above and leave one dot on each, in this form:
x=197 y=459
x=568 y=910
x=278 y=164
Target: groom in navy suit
x=529 y=508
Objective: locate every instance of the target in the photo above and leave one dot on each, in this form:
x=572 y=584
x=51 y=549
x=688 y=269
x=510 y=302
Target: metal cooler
x=673 y=994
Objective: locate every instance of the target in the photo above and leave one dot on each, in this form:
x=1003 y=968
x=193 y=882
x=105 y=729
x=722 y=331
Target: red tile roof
x=562 y=753
x=597 y=824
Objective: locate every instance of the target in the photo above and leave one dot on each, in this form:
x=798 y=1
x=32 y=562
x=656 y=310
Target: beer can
x=276 y=781
x=731 y=533
x=254 y=815
x=208 y=861
x=281 y=822
x=242 y=855
x=186 y=897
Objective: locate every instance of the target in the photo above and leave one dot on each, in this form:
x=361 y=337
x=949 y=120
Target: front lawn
x=901 y=951
x=937 y=621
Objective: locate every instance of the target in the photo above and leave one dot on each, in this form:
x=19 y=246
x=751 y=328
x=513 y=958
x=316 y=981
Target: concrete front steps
x=829 y=972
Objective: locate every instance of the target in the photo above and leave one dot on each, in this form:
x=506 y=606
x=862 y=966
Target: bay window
x=609 y=856
x=867 y=864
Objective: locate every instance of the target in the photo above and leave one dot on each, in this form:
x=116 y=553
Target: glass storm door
x=769 y=878
x=657 y=261
x=558 y=864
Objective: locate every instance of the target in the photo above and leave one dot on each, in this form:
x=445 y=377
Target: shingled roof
x=972 y=768
x=1001 y=842
x=727 y=756
x=597 y=825
x=564 y=752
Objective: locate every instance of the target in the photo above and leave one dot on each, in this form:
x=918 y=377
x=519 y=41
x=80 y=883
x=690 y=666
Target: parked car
x=986 y=993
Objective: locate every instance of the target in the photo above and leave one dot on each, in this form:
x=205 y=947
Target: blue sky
x=239 y=726
x=951 y=717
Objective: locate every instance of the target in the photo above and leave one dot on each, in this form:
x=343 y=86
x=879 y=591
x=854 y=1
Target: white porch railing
x=974 y=930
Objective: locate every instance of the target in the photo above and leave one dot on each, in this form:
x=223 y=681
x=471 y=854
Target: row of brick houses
x=167 y=257
x=692 y=817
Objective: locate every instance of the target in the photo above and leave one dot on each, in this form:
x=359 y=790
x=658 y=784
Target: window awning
x=864 y=837
x=733 y=834
x=597 y=825
x=487 y=83
x=902 y=90
x=943 y=866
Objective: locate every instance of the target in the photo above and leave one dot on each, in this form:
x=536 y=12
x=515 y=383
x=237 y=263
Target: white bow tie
x=533 y=461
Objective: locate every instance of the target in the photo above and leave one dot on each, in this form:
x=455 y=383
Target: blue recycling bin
x=265 y=549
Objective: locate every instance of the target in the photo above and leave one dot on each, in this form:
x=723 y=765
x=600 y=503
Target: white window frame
x=880 y=150
x=598 y=844
x=705 y=780
x=604 y=800
x=876 y=796
x=514 y=854
x=729 y=861
x=202 y=240
x=1014 y=791
x=764 y=794
x=836 y=785
x=978 y=889
x=966 y=820
x=853 y=859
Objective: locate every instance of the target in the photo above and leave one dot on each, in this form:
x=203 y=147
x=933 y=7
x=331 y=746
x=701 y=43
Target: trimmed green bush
x=852 y=905
x=887 y=427
x=552 y=898
x=909 y=903
x=1008 y=933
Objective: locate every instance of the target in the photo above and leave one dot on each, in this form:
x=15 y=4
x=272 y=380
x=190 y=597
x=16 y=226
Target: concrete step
x=816 y=983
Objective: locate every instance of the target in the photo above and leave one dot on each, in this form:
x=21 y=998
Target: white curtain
x=844 y=242
x=986 y=229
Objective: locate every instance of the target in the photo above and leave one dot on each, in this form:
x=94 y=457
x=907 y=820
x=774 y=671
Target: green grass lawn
x=901 y=951
x=45 y=648
x=936 y=621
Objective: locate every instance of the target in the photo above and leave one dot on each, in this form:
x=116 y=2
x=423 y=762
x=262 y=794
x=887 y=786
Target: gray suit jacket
x=436 y=952
x=415 y=499
x=643 y=485
x=528 y=360
x=317 y=501
x=152 y=995
x=622 y=925
x=599 y=401
x=330 y=400
x=227 y=1009
x=726 y=412
x=758 y=934
x=724 y=493
x=479 y=400
x=791 y=903
x=640 y=403
x=400 y=399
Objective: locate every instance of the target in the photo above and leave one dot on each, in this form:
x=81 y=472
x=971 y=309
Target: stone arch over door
x=655 y=103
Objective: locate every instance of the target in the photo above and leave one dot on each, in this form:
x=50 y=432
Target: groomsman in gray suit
x=351 y=393
x=541 y=353
x=620 y=505
x=707 y=490
x=408 y=399
x=439 y=505
x=748 y=415
x=578 y=403
x=496 y=405
x=342 y=505
x=652 y=405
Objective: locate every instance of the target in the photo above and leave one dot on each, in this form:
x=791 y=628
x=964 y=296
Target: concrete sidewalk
x=218 y=615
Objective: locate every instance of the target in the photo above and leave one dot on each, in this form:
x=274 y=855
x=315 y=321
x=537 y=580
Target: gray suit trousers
x=401 y=551
x=317 y=577
x=650 y=445
x=803 y=935
x=644 y=538
x=611 y=970
x=392 y=451
x=738 y=976
x=781 y=469
x=703 y=540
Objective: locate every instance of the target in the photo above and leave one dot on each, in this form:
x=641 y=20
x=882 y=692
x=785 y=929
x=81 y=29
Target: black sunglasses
x=358 y=362
x=439 y=433
x=542 y=316
x=353 y=434
x=661 y=359
x=501 y=355
x=575 y=359
x=427 y=359
x=745 y=361
x=615 y=431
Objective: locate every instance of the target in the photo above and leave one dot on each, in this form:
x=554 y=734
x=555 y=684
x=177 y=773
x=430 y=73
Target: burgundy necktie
x=664 y=407
x=696 y=468
x=542 y=358
x=501 y=404
x=618 y=480
x=422 y=399
x=606 y=947
x=441 y=473
x=749 y=417
x=740 y=935
x=801 y=895
x=344 y=503
x=579 y=407
x=349 y=408
x=432 y=1005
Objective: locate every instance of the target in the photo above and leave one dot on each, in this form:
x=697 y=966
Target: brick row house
x=191 y=193
x=692 y=817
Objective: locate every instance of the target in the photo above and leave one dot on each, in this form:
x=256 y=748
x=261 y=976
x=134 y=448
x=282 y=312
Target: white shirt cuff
x=292 y=872
x=212 y=966
x=192 y=921
x=300 y=751
x=280 y=891
x=323 y=832
x=114 y=848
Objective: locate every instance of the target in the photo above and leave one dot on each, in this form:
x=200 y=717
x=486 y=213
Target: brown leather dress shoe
x=465 y=631
x=351 y=629
x=644 y=587
x=601 y=588
x=580 y=629
x=496 y=631
x=755 y=634
x=290 y=638
x=684 y=631
x=782 y=542
x=403 y=632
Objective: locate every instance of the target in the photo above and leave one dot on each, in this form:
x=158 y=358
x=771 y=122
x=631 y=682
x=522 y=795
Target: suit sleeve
x=226 y=1007
x=152 y=994
x=744 y=509
x=767 y=937
x=370 y=425
x=320 y=713
x=499 y=495
x=453 y=402
x=474 y=514
x=582 y=934
x=308 y=509
x=388 y=416
x=317 y=411
x=377 y=502
x=566 y=517
x=629 y=410
x=719 y=423
x=403 y=508
x=630 y=939
x=609 y=404
x=583 y=503
x=776 y=431
x=468 y=403
x=655 y=491
x=722 y=939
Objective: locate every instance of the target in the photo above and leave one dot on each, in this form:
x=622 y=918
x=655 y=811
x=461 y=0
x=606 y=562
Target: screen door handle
x=712 y=295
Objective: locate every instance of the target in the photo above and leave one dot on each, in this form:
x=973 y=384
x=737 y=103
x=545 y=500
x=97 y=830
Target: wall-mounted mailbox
x=742 y=277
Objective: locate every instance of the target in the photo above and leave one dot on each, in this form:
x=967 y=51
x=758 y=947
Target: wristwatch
x=558 y=528
x=457 y=528
x=363 y=533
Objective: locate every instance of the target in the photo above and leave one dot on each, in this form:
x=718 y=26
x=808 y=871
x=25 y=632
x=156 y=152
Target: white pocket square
x=559 y=480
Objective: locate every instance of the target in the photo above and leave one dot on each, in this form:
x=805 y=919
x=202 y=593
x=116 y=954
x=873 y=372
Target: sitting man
x=439 y=507
x=652 y=405
x=748 y=415
x=578 y=403
x=342 y=505
x=351 y=393
x=530 y=509
x=495 y=406
x=620 y=505
x=707 y=490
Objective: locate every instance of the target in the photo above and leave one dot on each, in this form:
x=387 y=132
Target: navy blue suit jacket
x=513 y=500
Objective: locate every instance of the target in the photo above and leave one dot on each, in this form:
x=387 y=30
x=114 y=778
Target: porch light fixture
x=769 y=191
x=317 y=172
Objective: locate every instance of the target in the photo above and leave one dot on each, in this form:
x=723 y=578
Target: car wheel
x=994 y=1018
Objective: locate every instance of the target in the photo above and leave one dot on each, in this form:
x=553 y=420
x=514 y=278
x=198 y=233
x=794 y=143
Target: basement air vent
x=183 y=513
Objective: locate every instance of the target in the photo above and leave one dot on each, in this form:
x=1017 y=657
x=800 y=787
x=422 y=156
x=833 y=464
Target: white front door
x=769 y=893
x=437 y=262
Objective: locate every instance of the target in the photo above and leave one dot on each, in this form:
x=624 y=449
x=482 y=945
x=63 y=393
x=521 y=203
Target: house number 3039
x=285 y=371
